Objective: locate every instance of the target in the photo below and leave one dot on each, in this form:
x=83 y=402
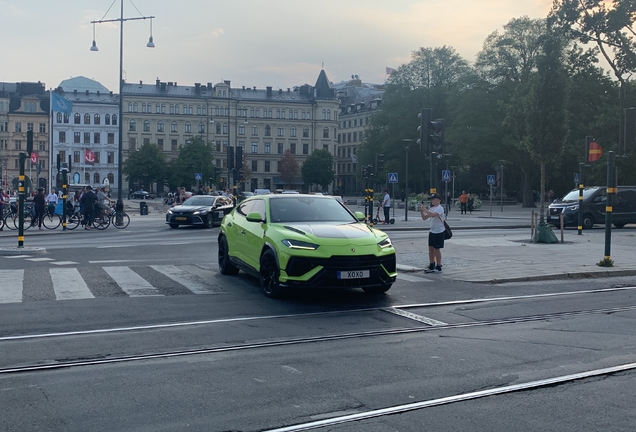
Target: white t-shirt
x=386 y=201
x=51 y=198
x=437 y=222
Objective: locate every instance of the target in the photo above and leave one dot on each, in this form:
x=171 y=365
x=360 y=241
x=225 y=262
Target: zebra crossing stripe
x=11 y=291
x=188 y=280
x=130 y=282
x=69 y=285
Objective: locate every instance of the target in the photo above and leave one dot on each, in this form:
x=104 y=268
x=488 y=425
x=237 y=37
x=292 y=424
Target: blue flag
x=58 y=103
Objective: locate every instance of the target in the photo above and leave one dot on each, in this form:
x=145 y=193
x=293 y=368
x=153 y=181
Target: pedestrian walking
x=470 y=204
x=4 y=201
x=88 y=203
x=435 y=213
x=449 y=203
x=39 y=204
x=386 y=205
x=463 y=201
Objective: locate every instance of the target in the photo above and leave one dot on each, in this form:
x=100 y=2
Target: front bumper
x=185 y=219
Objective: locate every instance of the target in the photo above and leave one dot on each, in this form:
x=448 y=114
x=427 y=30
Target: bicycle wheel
x=8 y=221
x=51 y=221
x=73 y=221
x=28 y=221
x=125 y=221
x=101 y=222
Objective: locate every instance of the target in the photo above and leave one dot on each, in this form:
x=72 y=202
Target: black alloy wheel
x=209 y=220
x=225 y=266
x=269 y=275
x=588 y=221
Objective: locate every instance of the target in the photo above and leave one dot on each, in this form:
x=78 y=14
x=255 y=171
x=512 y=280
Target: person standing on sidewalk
x=436 y=234
x=463 y=201
x=386 y=205
x=39 y=204
x=88 y=204
x=51 y=201
x=449 y=203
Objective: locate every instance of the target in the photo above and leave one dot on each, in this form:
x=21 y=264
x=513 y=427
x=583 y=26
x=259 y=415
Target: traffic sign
x=446 y=176
x=198 y=176
x=577 y=178
x=491 y=179
x=393 y=177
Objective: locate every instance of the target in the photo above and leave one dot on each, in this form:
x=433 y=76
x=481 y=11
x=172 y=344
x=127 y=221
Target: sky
x=278 y=43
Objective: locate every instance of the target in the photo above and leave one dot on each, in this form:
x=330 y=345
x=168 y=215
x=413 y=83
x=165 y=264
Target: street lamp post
x=501 y=165
x=406 y=180
x=120 y=203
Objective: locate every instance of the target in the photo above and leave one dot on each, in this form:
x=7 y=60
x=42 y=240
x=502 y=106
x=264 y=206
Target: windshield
x=308 y=209
x=573 y=195
x=199 y=201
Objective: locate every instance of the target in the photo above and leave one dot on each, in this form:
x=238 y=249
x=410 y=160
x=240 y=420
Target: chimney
x=197 y=88
x=86 y=92
x=209 y=86
x=140 y=82
x=227 y=82
x=269 y=91
x=163 y=86
x=157 y=83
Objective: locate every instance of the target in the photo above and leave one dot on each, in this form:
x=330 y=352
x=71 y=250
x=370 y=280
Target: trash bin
x=143 y=208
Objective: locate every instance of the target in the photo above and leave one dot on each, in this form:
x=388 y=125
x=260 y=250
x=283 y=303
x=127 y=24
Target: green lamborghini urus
x=297 y=241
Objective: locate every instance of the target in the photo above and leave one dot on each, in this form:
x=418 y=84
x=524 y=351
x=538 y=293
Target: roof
x=81 y=84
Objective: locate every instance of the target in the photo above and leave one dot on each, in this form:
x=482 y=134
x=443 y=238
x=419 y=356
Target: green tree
x=318 y=169
x=197 y=156
x=289 y=169
x=148 y=165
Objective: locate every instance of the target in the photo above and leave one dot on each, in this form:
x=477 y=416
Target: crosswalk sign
x=491 y=179
x=198 y=176
x=446 y=175
x=393 y=177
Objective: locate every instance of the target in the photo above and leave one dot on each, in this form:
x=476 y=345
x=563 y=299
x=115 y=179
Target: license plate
x=181 y=218
x=355 y=274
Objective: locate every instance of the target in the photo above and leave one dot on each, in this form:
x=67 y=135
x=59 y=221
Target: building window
x=305 y=132
x=87 y=137
x=292 y=148
x=114 y=119
x=292 y=131
x=176 y=109
x=325 y=132
x=328 y=114
x=282 y=113
x=355 y=136
x=173 y=145
x=241 y=129
x=218 y=128
x=97 y=138
x=143 y=108
x=96 y=178
x=198 y=109
x=111 y=157
x=160 y=126
x=42 y=127
x=305 y=149
x=76 y=157
x=18 y=126
x=267 y=166
x=173 y=127
x=77 y=118
x=268 y=147
x=87 y=118
x=280 y=131
x=30 y=127
x=129 y=106
x=201 y=127
x=225 y=128
x=268 y=130
x=303 y=115
x=254 y=147
x=254 y=166
x=132 y=126
x=58 y=117
x=324 y=114
x=107 y=119
x=278 y=113
x=280 y=148
x=111 y=137
x=62 y=136
x=77 y=137
x=97 y=119
x=132 y=143
x=157 y=109
x=163 y=109
x=87 y=177
x=254 y=130
x=160 y=143
x=188 y=127
x=146 y=141
x=41 y=147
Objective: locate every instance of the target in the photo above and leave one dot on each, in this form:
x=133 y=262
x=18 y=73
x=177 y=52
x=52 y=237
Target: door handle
x=243 y=232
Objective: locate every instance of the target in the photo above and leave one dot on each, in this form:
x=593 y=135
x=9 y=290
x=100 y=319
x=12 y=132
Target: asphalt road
x=162 y=342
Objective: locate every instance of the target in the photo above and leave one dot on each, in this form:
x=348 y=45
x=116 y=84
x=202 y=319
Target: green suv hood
x=331 y=231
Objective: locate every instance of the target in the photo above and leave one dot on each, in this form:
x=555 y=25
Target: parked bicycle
x=103 y=221
x=50 y=220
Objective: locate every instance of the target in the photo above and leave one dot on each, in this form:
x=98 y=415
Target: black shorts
x=436 y=240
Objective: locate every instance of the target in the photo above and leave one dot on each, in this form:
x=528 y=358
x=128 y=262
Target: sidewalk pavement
x=474 y=256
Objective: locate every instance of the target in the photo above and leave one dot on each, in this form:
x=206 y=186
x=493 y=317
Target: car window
x=245 y=207
x=197 y=200
x=259 y=206
x=308 y=209
x=223 y=201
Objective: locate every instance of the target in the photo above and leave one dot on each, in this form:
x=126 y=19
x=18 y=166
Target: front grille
x=555 y=211
x=298 y=266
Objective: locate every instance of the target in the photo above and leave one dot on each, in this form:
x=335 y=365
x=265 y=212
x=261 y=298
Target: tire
x=269 y=275
x=173 y=226
x=619 y=225
x=588 y=221
x=225 y=266
x=375 y=220
x=125 y=221
x=209 y=220
x=102 y=222
x=16 y=221
x=377 y=290
x=51 y=221
x=73 y=221
x=392 y=221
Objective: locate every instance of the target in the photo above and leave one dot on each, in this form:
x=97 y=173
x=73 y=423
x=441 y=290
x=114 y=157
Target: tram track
x=303 y=340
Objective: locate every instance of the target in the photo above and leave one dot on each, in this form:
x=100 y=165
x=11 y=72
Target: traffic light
x=239 y=158
x=437 y=135
x=364 y=171
x=425 y=121
x=630 y=131
x=379 y=162
x=230 y=157
x=29 y=142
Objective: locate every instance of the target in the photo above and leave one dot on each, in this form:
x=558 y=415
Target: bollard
x=143 y=208
x=562 y=227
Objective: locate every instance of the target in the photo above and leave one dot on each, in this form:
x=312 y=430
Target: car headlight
x=574 y=207
x=386 y=243
x=169 y=211
x=297 y=244
x=198 y=212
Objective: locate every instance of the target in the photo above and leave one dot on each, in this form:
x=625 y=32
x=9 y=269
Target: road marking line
x=39 y=259
x=65 y=262
x=11 y=291
x=18 y=256
x=69 y=285
x=188 y=280
x=129 y=281
x=414 y=317
x=410 y=278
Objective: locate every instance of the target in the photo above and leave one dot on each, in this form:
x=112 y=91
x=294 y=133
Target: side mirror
x=254 y=217
x=359 y=216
